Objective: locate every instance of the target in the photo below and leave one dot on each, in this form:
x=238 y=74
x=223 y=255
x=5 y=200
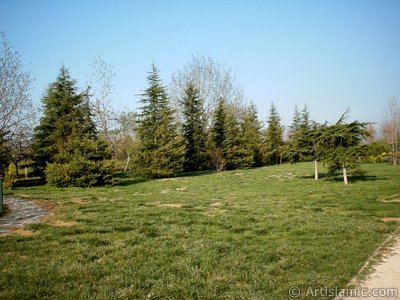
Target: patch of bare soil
x=214 y=211
x=391 y=219
x=51 y=218
x=45 y=205
x=59 y=223
x=78 y=200
x=183 y=188
x=171 y=205
x=393 y=198
x=167 y=205
x=23 y=232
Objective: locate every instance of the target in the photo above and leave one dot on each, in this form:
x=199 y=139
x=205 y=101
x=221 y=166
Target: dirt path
x=383 y=282
x=22 y=212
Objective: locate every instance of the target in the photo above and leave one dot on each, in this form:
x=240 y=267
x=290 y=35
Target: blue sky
x=330 y=55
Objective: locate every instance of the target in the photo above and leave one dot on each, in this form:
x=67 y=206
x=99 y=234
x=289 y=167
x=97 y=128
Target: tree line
x=203 y=123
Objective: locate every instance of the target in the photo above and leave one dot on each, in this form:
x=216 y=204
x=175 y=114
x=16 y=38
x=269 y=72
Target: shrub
x=81 y=163
x=10 y=177
x=376 y=159
x=79 y=173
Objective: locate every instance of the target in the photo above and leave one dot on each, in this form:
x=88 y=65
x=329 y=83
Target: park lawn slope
x=249 y=234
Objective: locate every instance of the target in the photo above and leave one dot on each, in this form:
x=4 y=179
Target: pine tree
x=302 y=138
x=252 y=141
x=160 y=151
x=273 y=139
x=66 y=113
x=232 y=146
x=193 y=127
x=218 y=125
x=66 y=139
x=300 y=145
x=294 y=127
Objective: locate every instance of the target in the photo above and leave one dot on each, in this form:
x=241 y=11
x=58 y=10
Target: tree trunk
x=16 y=168
x=346 y=182
x=315 y=169
x=26 y=172
x=127 y=163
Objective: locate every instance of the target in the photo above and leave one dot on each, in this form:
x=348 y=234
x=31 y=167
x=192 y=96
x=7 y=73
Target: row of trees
x=235 y=139
x=202 y=123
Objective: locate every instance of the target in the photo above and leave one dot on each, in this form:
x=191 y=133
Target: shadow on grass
x=351 y=178
x=196 y=173
x=125 y=179
x=131 y=181
x=29 y=182
x=355 y=178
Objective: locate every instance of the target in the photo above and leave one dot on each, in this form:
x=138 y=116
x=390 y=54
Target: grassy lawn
x=248 y=234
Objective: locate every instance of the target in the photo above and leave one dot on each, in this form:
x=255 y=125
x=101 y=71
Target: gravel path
x=22 y=212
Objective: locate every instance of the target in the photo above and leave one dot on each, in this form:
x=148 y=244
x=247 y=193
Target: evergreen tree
x=302 y=138
x=81 y=162
x=300 y=145
x=234 y=152
x=252 y=141
x=340 y=145
x=66 y=137
x=294 y=127
x=315 y=136
x=193 y=127
x=289 y=148
x=218 y=126
x=273 y=138
x=66 y=113
x=160 y=151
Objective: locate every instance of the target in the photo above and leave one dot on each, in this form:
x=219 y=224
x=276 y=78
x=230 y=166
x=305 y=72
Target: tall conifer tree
x=66 y=113
x=65 y=145
x=273 y=138
x=252 y=141
x=193 y=127
x=218 y=129
x=160 y=152
x=232 y=146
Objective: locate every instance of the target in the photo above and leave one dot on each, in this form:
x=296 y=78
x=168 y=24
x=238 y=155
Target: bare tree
x=216 y=156
x=125 y=137
x=17 y=113
x=15 y=91
x=371 y=136
x=21 y=142
x=213 y=80
x=102 y=87
x=390 y=127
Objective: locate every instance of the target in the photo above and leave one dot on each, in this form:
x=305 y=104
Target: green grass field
x=248 y=234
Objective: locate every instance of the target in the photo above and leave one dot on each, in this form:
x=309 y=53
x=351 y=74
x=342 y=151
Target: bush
x=376 y=159
x=79 y=173
x=82 y=162
x=10 y=177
